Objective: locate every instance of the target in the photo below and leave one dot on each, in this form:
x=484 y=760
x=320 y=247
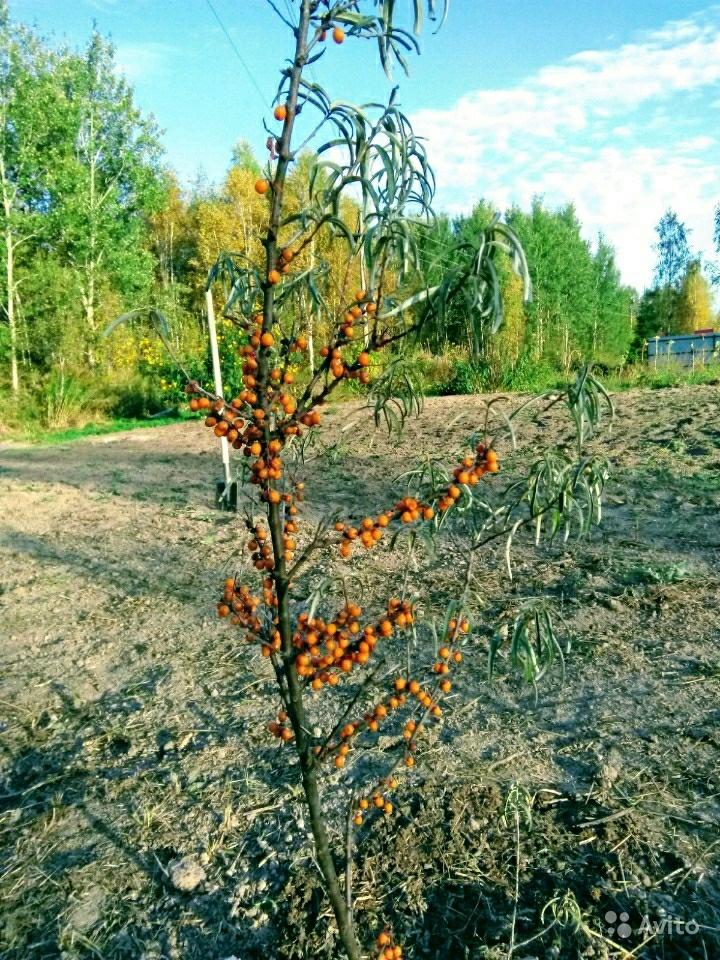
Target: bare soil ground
x=134 y=726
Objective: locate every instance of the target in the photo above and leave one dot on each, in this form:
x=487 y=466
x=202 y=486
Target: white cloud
x=138 y=60
x=581 y=122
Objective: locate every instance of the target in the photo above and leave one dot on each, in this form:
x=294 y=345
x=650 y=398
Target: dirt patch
x=133 y=725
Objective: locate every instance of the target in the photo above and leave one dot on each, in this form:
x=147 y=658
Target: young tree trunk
x=10 y=310
x=91 y=262
x=304 y=748
x=10 y=281
x=296 y=709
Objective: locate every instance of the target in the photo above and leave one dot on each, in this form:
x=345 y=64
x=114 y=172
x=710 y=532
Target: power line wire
x=238 y=54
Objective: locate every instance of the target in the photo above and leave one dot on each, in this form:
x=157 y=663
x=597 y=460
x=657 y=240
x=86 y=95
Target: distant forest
x=93 y=223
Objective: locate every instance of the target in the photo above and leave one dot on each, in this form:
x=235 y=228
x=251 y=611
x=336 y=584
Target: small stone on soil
x=186 y=874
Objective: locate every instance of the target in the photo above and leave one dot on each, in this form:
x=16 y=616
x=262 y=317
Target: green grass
x=45 y=437
x=441 y=374
x=640 y=375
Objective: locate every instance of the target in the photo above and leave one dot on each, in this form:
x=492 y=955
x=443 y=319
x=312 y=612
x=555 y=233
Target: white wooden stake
x=217 y=376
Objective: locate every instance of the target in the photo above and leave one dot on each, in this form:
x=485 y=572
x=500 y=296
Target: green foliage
x=680 y=300
x=66 y=399
x=530 y=376
x=641 y=375
x=533 y=644
x=467 y=377
x=694 y=307
x=673 y=251
x=79 y=176
x=579 y=309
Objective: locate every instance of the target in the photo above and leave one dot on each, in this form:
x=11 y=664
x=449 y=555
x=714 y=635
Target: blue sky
x=612 y=104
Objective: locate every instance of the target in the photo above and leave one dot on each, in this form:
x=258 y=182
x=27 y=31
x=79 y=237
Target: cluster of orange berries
x=370 y=531
x=339 y=369
x=409 y=509
x=357 y=370
x=290 y=526
x=327 y=650
x=260 y=549
x=259 y=546
x=225 y=422
x=371 y=721
x=469 y=474
x=377 y=800
x=389 y=950
x=249 y=432
x=242 y=604
x=363 y=305
x=280 y=729
x=282 y=265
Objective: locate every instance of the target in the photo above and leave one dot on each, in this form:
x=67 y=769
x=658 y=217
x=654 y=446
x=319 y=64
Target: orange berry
x=339 y=762
x=444 y=652
x=400 y=683
x=267 y=339
x=409 y=761
x=280 y=112
x=261 y=187
x=274 y=277
x=338 y=35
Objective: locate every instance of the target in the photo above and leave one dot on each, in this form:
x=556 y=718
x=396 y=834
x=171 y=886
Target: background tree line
x=92 y=224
